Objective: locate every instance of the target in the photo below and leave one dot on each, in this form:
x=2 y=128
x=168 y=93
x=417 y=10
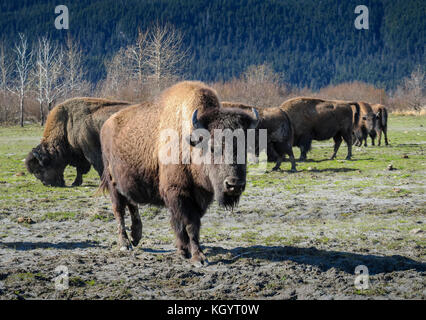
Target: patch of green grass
x=59 y=216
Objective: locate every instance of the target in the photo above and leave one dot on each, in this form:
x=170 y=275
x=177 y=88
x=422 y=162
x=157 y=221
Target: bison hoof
x=136 y=235
x=125 y=245
x=293 y=170
x=199 y=260
x=183 y=253
x=276 y=169
x=126 y=248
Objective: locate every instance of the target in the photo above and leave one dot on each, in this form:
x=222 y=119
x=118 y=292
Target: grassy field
x=294 y=235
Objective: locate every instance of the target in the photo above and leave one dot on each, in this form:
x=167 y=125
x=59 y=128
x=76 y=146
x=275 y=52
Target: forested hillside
x=310 y=43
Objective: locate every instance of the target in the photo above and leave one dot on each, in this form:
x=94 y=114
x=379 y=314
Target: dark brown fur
x=280 y=132
x=366 y=125
x=71 y=137
x=317 y=119
x=381 y=122
x=134 y=174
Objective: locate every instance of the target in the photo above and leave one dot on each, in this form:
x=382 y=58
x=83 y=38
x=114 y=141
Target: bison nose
x=234 y=185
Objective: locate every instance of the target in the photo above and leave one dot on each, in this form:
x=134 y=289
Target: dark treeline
x=309 y=43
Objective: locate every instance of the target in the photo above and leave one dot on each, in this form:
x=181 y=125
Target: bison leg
x=337 y=142
x=136 y=229
x=193 y=230
x=305 y=146
x=379 y=137
x=348 y=140
x=83 y=167
x=372 y=139
x=78 y=179
x=385 y=132
x=186 y=220
x=119 y=207
x=182 y=239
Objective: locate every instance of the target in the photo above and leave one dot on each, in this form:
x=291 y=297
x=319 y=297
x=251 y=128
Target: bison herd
x=123 y=142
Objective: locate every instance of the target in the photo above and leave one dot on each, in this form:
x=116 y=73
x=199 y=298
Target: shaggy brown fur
x=71 y=137
x=134 y=174
x=280 y=132
x=317 y=119
x=381 y=122
x=366 y=125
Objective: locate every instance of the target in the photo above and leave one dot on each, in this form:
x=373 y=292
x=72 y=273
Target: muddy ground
x=293 y=236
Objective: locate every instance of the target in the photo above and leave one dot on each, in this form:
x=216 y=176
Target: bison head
x=50 y=172
x=370 y=123
x=226 y=134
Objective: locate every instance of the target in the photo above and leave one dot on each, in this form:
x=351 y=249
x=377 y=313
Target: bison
x=279 y=132
x=381 y=123
x=318 y=119
x=366 y=125
x=134 y=171
x=71 y=137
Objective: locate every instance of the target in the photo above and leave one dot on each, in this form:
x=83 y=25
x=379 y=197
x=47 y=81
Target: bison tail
x=103 y=186
x=356 y=115
x=384 y=118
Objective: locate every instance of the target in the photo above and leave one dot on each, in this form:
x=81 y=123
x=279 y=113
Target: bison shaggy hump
x=71 y=137
x=133 y=172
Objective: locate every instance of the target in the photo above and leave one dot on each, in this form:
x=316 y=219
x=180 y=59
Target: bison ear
x=255 y=122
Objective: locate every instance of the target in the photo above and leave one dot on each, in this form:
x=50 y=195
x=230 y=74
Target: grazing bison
x=317 y=119
x=135 y=172
x=279 y=132
x=381 y=122
x=71 y=137
x=366 y=125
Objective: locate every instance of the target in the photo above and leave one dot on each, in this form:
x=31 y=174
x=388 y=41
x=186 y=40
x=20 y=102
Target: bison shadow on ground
x=25 y=246
x=330 y=170
x=323 y=259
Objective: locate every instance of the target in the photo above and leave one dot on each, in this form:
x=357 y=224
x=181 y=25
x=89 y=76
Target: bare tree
x=22 y=69
x=166 y=57
x=415 y=88
x=52 y=62
x=118 y=70
x=137 y=57
x=73 y=70
x=38 y=75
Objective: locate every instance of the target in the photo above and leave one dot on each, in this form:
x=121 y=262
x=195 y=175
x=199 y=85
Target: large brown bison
x=71 y=137
x=318 y=119
x=135 y=172
x=381 y=123
x=279 y=132
x=366 y=125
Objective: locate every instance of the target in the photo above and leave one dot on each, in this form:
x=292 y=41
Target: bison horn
x=255 y=121
x=195 y=123
x=37 y=155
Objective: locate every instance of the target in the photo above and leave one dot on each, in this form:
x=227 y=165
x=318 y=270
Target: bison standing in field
x=133 y=147
x=381 y=123
x=366 y=125
x=71 y=137
x=317 y=119
x=279 y=132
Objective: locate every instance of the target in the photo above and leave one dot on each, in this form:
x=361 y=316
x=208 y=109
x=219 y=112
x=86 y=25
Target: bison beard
x=133 y=172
